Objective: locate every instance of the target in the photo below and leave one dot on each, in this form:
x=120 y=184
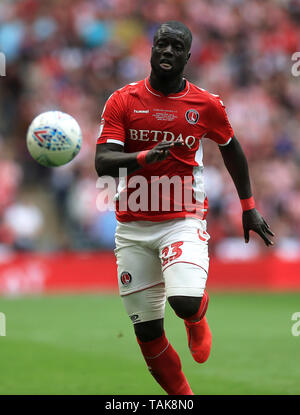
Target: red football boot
x=199 y=339
x=198 y=332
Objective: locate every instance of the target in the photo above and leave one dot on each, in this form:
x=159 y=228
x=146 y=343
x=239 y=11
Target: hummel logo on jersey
x=141 y=111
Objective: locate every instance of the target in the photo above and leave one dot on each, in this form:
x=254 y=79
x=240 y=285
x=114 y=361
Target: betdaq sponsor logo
x=157 y=135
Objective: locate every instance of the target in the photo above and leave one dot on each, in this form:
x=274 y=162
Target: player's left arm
x=237 y=166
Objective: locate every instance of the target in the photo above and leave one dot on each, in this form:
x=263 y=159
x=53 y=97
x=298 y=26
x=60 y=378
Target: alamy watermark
x=154 y=194
x=296 y=67
x=296 y=326
x=2 y=64
x=2 y=324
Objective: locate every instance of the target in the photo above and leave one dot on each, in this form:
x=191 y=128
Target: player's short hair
x=174 y=24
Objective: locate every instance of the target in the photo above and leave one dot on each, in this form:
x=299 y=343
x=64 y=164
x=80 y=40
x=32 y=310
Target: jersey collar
x=172 y=96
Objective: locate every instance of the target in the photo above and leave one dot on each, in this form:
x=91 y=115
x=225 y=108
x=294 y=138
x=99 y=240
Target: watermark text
x=2 y=64
x=2 y=324
x=152 y=194
x=296 y=65
x=296 y=326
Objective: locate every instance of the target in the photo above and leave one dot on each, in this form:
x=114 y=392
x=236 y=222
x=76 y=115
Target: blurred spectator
x=72 y=55
x=25 y=222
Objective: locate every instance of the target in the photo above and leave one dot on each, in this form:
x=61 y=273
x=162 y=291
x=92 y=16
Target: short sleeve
x=219 y=128
x=112 y=128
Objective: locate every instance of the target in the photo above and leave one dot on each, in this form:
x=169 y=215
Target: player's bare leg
x=192 y=310
x=162 y=360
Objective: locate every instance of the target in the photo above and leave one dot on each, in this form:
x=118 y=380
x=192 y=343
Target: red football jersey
x=138 y=118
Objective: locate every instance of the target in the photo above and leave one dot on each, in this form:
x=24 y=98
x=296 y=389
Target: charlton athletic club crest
x=125 y=278
x=192 y=116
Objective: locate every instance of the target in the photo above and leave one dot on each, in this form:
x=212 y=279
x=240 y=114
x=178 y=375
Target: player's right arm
x=110 y=155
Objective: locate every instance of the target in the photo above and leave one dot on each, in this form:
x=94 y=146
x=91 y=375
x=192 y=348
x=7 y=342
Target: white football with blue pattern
x=54 y=138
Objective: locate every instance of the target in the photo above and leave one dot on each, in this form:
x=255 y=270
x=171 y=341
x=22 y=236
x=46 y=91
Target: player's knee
x=185 y=306
x=149 y=330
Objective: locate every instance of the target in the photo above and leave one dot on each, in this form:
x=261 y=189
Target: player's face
x=170 y=52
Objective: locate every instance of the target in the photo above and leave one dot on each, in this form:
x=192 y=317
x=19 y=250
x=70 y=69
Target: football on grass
x=54 y=138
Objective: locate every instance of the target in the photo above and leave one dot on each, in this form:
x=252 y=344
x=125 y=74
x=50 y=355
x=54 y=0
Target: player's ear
x=188 y=57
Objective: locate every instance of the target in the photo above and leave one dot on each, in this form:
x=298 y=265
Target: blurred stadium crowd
x=72 y=54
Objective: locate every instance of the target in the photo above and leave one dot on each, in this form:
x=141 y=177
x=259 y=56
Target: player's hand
x=253 y=221
x=161 y=151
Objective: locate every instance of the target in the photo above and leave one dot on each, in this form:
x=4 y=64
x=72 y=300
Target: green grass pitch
x=84 y=344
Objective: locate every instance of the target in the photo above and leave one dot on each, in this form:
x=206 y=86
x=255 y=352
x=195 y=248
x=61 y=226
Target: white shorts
x=159 y=260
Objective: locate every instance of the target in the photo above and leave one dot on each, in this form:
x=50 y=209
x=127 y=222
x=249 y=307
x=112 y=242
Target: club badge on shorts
x=192 y=116
x=125 y=278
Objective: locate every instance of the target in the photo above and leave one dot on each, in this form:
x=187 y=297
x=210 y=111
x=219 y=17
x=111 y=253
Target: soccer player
x=154 y=129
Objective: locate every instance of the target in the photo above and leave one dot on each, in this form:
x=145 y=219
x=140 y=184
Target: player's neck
x=165 y=85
